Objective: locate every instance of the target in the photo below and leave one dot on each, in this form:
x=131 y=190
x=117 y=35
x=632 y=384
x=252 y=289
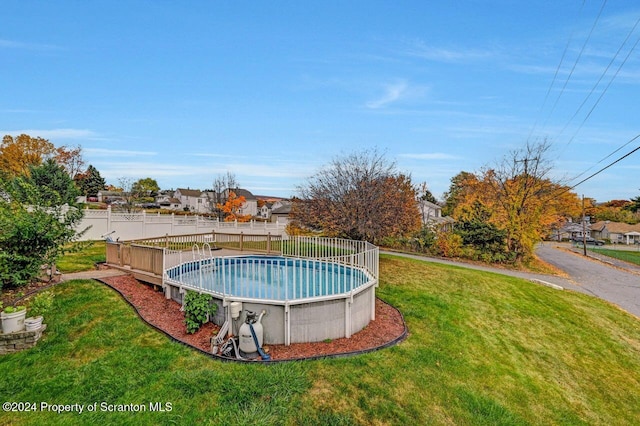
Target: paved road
x=615 y=282
x=610 y=280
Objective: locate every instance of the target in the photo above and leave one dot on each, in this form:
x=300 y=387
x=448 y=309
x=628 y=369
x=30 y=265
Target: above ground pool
x=324 y=290
x=268 y=277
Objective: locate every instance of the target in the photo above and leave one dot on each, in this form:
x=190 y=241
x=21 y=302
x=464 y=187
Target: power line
x=575 y=64
x=555 y=76
x=600 y=79
x=601 y=170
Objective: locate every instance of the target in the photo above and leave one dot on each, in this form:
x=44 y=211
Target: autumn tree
x=456 y=193
x=19 y=153
x=144 y=189
x=520 y=196
x=359 y=196
x=90 y=182
x=70 y=158
x=232 y=208
x=222 y=185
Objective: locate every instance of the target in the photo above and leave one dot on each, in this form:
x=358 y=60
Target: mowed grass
x=624 y=255
x=83 y=258
x=483 y=349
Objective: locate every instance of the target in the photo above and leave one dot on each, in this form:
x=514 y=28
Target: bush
x=41 y=304
x=449 y=244
x=197 y=308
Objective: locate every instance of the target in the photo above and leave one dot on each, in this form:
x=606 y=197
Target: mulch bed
x=153 y=307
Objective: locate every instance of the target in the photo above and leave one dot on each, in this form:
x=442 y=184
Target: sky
x=186 y=91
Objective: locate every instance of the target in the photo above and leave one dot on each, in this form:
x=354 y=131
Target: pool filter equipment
x=251 y=336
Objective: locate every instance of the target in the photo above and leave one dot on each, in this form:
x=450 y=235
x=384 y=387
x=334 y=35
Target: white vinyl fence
x=132 y=226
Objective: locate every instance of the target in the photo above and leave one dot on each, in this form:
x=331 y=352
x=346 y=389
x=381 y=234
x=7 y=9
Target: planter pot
x=13 y=322
x=33 y=323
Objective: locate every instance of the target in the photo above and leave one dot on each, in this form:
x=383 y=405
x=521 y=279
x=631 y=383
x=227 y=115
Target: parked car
x=589 y=240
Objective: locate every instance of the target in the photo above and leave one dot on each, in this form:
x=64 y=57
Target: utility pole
x=584 y=230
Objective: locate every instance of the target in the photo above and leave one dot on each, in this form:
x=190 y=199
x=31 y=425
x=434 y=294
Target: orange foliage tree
x=70 y=158
x=232 y=208
x=519 y=198
x=17 y=154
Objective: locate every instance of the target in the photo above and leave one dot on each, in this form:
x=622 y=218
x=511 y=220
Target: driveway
x=616 y=282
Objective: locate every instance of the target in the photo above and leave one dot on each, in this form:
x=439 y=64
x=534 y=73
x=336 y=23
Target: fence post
x=241 y=239
x=269 y=243
x=166 y=240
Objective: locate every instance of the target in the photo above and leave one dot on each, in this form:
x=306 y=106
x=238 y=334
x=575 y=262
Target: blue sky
x=183 y=92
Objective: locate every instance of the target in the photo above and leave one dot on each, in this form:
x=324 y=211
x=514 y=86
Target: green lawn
x=483 y=349
x=83 y=258
x=625 y=255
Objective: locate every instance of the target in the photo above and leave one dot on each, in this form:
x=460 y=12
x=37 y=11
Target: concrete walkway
x=93 y=274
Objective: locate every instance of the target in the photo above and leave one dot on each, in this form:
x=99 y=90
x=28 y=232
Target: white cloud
x=105 y=152
x=12 y=44
x=54 y=133
x=393 y=93
x=422 y=50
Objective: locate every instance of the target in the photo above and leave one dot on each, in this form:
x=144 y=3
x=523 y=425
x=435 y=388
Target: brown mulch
x=165 y=314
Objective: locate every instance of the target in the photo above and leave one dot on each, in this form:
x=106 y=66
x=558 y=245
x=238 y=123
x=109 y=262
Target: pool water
x=269 y=277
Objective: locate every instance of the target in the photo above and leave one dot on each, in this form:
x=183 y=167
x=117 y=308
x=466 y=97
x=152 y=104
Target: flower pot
x=13 y=322
x=33 y=323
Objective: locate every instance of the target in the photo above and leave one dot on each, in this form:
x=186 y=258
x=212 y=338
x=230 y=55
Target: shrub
x=197 y=308
x=41 y=304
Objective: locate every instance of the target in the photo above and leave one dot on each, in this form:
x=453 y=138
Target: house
x=193 y=200
x=616 y=232
x=265 y=211
x=250 y=206
x=280 y=214
x=169 y=203
x=110 y=196
x=431 y=213
x=573 y=230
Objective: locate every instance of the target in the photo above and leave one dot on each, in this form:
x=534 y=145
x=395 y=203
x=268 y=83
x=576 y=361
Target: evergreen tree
x=90 y=182
x=38 y=218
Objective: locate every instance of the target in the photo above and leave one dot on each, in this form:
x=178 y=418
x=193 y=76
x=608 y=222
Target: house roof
x=170 y=200
x=615 y=227
x=430 y=204
x=244 y=193
x=190 y=192
x=284 y=209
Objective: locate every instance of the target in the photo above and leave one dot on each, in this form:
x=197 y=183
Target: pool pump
x=251 y=336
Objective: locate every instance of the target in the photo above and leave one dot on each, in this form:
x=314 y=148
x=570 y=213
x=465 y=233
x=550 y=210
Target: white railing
x=313 y=269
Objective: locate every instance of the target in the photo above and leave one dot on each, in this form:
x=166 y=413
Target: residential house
x=250 y=206
x=616 y=232
x=431 y=213
x=573 y=230
x=169 y=203
x=110 y=196
x=193 y=200
x=280 y=212
x=265 y=211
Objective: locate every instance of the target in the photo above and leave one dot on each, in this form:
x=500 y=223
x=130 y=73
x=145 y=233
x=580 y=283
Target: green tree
x=38 y=218
x=90 y=182
x=634 y=206
x=144 y=189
